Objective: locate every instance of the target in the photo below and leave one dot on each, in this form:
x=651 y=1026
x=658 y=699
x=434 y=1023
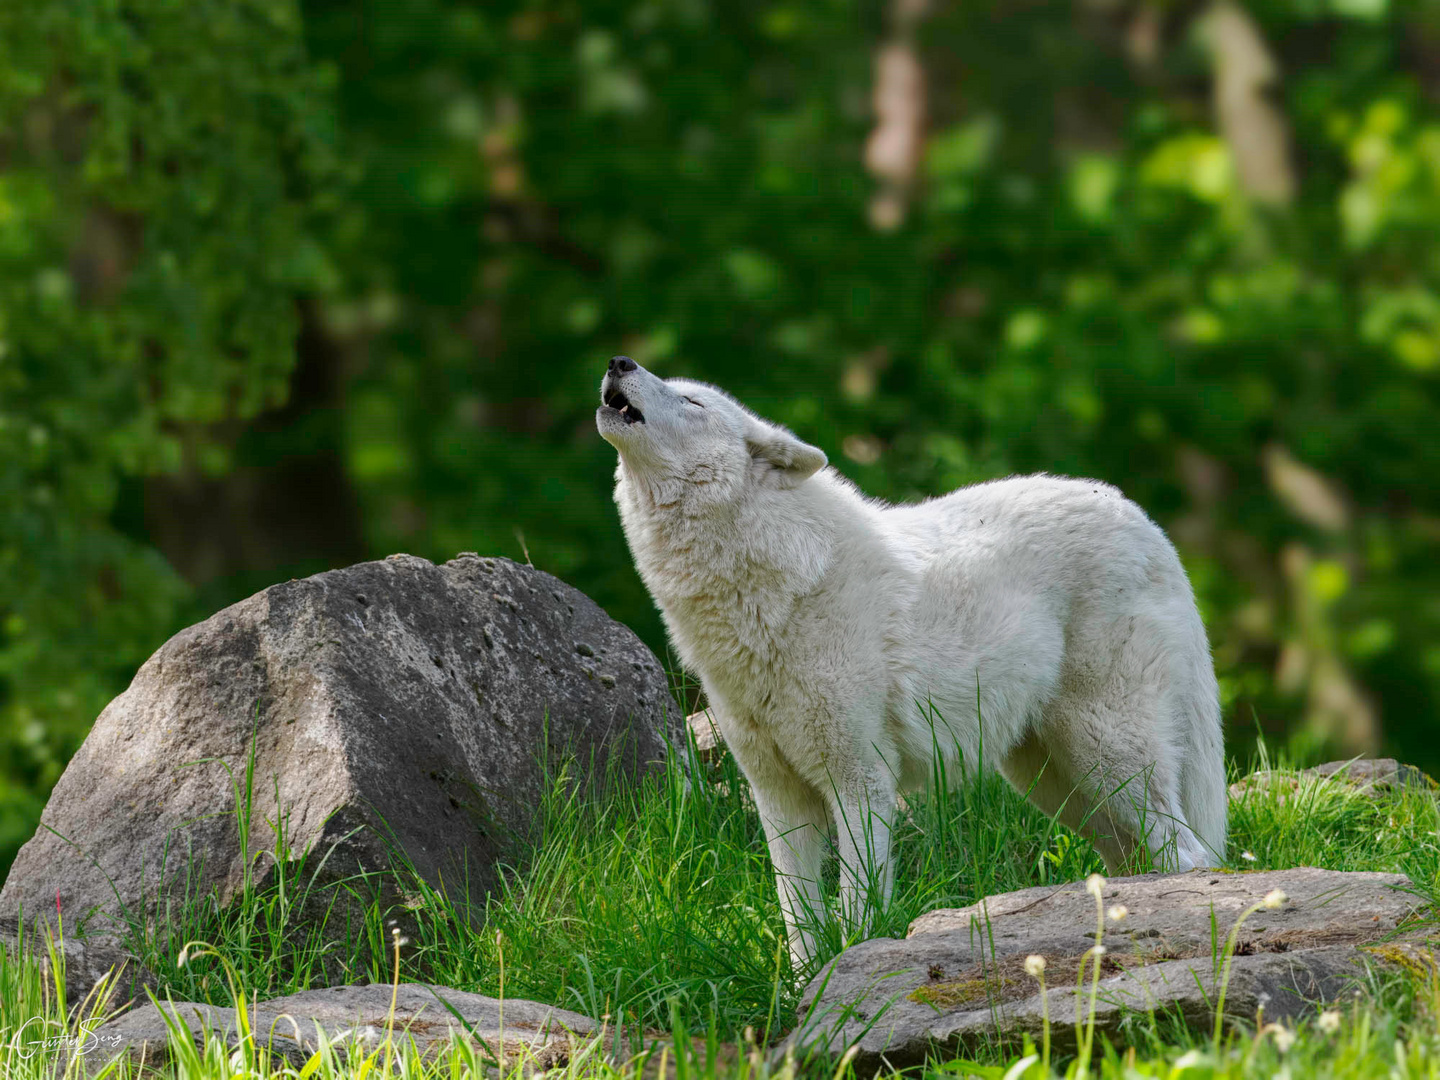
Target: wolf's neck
x=728 y=579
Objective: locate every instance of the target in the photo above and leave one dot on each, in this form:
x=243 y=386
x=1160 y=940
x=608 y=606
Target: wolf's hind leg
x=1119 y=794
x=1034 y=772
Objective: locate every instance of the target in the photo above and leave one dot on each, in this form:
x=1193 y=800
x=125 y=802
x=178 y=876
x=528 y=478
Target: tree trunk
x=287 y=507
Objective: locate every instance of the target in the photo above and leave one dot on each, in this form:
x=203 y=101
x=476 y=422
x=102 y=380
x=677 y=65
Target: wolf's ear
x=780 y=457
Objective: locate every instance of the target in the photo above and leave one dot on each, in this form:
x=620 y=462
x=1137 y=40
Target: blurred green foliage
x=404 y=238
x=160 y=165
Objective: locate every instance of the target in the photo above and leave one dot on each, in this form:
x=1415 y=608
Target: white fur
x=1051 y=612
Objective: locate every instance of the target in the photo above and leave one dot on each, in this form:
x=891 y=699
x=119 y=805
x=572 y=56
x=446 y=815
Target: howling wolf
x=843 y=643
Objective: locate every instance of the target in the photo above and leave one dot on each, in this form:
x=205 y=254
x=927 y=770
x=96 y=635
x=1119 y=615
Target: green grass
x=655 y=906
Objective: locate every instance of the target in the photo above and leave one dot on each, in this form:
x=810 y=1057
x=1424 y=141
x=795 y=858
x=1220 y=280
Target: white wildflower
x=1248 y=856
x=1093 y=884
x=1284 y=1037
x=1035 y=966
x=1329 y=1021
x=1188 y=1060
x=1118 y=912
x=1274 y=898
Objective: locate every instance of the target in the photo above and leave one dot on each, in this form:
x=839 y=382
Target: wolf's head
x=683 y=436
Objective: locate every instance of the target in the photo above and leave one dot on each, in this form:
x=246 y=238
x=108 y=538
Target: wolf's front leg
x=865 y=807
x=795 y=826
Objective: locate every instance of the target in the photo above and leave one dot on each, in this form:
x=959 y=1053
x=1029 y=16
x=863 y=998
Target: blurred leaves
x=161 y=166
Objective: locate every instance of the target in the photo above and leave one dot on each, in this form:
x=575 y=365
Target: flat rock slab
x=355 y=1017
x=1372 y=776
x=709 y=743
x=958 y=978
x=398 y=711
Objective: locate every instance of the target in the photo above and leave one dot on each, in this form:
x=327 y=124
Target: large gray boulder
x=958 y=979
x=393 y=707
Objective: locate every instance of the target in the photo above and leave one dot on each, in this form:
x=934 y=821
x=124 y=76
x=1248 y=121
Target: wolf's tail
x=1204 y=796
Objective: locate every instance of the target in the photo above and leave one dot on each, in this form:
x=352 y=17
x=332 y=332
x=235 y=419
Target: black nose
x=619 y=365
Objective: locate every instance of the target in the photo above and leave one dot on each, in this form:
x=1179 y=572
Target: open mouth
x=621 y=404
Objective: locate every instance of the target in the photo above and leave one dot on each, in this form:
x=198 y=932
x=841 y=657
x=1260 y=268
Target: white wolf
x=822 y=624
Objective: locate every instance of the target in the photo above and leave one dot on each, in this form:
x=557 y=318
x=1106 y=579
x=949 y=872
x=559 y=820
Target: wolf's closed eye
x=692 y=401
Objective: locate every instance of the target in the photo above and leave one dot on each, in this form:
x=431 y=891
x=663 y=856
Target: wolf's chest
x=726 y=637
